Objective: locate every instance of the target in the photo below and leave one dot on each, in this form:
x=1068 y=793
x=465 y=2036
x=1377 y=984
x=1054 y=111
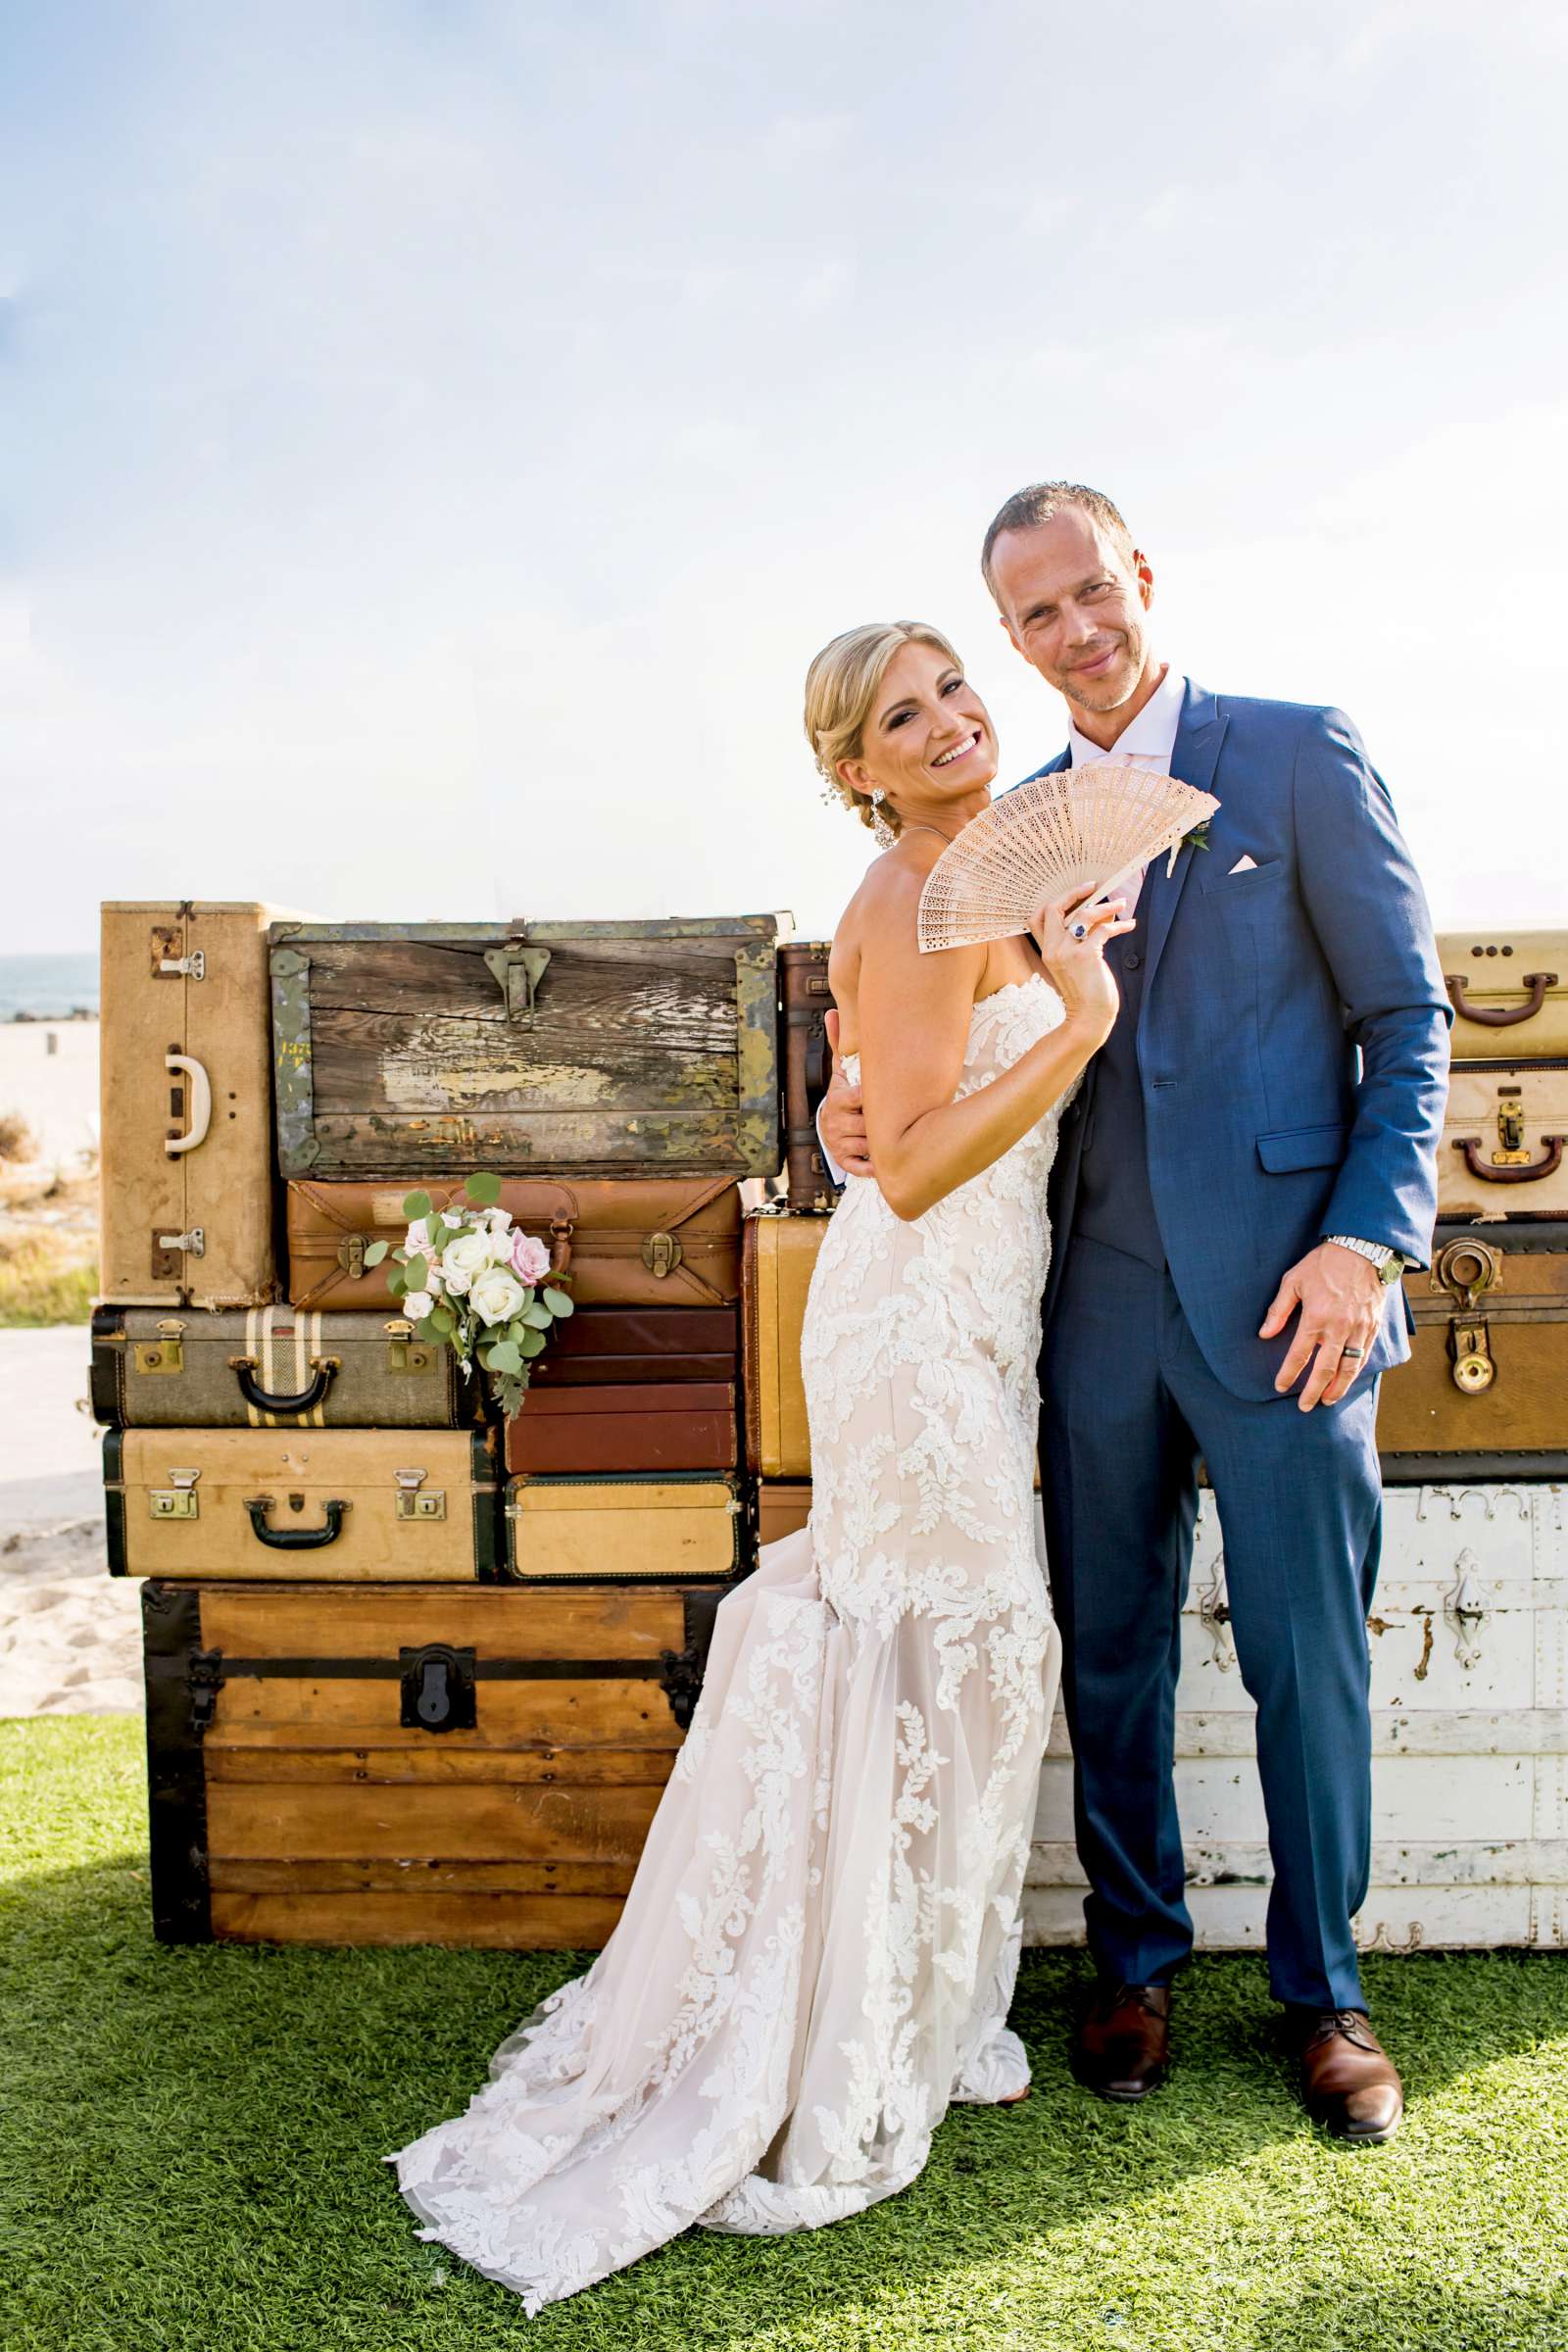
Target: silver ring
x=1078 y=930
x=1358 y=1353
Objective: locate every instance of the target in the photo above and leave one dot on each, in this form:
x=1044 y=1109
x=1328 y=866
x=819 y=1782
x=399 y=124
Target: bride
x=819 y=1947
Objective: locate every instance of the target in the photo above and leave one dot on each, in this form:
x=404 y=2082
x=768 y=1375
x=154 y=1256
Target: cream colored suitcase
x=641 y=1528
x=186 y=1181
x=1509 y=992
x=324 y=1506
x=1503 y=1136
x=1469 y=1646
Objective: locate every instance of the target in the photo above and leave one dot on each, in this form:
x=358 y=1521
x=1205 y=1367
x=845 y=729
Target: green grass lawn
x=190 y=2153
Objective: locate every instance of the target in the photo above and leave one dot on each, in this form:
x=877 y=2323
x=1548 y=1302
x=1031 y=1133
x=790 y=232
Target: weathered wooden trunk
x=1469 y=1646
x=430 y=1049
x=395 y=1766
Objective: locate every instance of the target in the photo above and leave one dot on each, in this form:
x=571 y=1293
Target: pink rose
x=530 y=1259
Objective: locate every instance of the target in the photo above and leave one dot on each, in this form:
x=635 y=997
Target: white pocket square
x=1245 y=864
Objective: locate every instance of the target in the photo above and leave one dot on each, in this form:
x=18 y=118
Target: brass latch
x=1465 y=1268
x=164 y=1354
x=404 y=1353
x=1512 y=1151
x=412 y=1503
x=520 y=970
x=176 y=1500
x=661 y=1253
x=351 y=1255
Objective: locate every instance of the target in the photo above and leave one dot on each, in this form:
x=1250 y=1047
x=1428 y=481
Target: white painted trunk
x=1469 y=1646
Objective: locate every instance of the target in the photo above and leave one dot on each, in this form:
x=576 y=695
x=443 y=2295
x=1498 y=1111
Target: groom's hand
x=841 y=1121
x=1341 y=1297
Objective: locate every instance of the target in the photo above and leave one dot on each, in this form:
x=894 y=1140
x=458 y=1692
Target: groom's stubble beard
x=1118 y=686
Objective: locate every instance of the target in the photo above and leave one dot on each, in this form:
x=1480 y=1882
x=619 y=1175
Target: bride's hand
x=1077 y=967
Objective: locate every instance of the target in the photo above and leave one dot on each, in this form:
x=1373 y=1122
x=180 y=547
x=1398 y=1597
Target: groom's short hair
x=1040 y=502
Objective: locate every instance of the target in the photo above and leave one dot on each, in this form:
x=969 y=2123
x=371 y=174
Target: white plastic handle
x=200 y=1105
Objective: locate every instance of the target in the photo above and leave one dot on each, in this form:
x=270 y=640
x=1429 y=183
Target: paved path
x=70 y=1633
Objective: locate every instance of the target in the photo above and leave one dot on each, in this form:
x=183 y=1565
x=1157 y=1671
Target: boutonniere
x=1196 y=839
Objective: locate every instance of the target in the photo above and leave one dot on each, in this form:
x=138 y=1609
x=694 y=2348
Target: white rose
x=496 y=1295
x=462 y=1258
x=418 y=1303
x=497 y=1240
x=417 y=1241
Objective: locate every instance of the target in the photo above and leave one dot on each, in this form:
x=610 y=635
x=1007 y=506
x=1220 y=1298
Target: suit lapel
x=1193 y=761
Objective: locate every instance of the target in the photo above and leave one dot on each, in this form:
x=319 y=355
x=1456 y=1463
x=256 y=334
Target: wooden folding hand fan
x=1079 y=829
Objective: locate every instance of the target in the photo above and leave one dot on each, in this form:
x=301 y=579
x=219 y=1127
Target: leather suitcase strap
x=1509 y=993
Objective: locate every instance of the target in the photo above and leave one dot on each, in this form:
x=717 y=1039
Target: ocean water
x=48 y=984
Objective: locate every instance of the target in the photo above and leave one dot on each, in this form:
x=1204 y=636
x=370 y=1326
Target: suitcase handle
x=267 y=1400
x=201 y=1103
x=1470 y=1146
x=1500 y=1016
x=294 y=1539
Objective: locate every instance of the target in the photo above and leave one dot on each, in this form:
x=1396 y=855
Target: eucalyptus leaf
x=538 y=1318
x=397 y=1282
x=533 y=1342
x=416 y=1205
x=483 y=1188
x=376 y=1253
x=427 y=1329
x=416 y=1273
x=445 y=1321
x=557 y=1303
x=506 y=1356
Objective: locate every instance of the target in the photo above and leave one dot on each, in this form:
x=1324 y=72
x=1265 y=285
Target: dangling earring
x=882 y=832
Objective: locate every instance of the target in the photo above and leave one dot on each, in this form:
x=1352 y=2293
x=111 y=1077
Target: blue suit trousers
x=1129 y=1408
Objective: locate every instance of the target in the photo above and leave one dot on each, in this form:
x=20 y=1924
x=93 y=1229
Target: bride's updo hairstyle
x=841 y=689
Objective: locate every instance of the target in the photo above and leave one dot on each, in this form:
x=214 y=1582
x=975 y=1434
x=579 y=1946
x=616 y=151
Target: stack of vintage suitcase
x=413 y=1674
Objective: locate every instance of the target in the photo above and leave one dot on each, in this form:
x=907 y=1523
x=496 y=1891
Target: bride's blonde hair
x=841 y=687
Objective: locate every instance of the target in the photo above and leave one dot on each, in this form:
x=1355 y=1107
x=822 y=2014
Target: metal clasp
x=661 y=1253
x=403 y=1353
x=520 y=970
x=178 y=1500
x=412 y=1503
x=1466 y=1609
x=164 y=1354
x=1512 y=1151
x=184 y=968
x=189 y=1244
x=351 y=1255
x=1470 y=1351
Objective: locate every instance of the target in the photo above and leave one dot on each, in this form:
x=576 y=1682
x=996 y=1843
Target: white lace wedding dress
x=819 y=1947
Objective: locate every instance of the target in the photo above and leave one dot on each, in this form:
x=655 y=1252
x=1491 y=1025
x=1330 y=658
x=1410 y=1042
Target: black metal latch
x=437 y=1687
x=204 y=1677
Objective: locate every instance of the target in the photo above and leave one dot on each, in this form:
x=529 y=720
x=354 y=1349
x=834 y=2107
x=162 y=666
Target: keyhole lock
x=438 y=1693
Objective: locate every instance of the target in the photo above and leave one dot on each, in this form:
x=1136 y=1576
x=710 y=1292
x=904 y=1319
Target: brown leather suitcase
x=671 y=1526
x=269 y=1367
x=322 y=1505
x=676 y=1425
x=186 y=1187
x=1509 y=992
x=391 y=1766
x=779 y=1260
x=658 y=1241
x=622 y=1346
x=1504 y=1132
x=1485 y=1395
x=604 y=1049
x=805 y=998
x=783 y=1506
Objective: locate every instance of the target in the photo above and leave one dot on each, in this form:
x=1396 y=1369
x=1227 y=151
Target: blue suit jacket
x=1293 y=1038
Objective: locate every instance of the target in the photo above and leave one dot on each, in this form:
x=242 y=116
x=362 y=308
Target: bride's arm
x=914 y=1015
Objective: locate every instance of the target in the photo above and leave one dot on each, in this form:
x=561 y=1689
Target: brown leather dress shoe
x=1349 y=2084
x=1122 y=2046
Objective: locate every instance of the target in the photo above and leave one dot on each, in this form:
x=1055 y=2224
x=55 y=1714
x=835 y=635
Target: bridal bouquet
x=468 y=1277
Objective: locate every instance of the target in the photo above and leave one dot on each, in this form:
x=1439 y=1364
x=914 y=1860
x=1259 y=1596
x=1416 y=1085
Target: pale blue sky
x=438 y=436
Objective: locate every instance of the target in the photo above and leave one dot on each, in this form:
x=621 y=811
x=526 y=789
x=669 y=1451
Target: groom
x=1247 y=1168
